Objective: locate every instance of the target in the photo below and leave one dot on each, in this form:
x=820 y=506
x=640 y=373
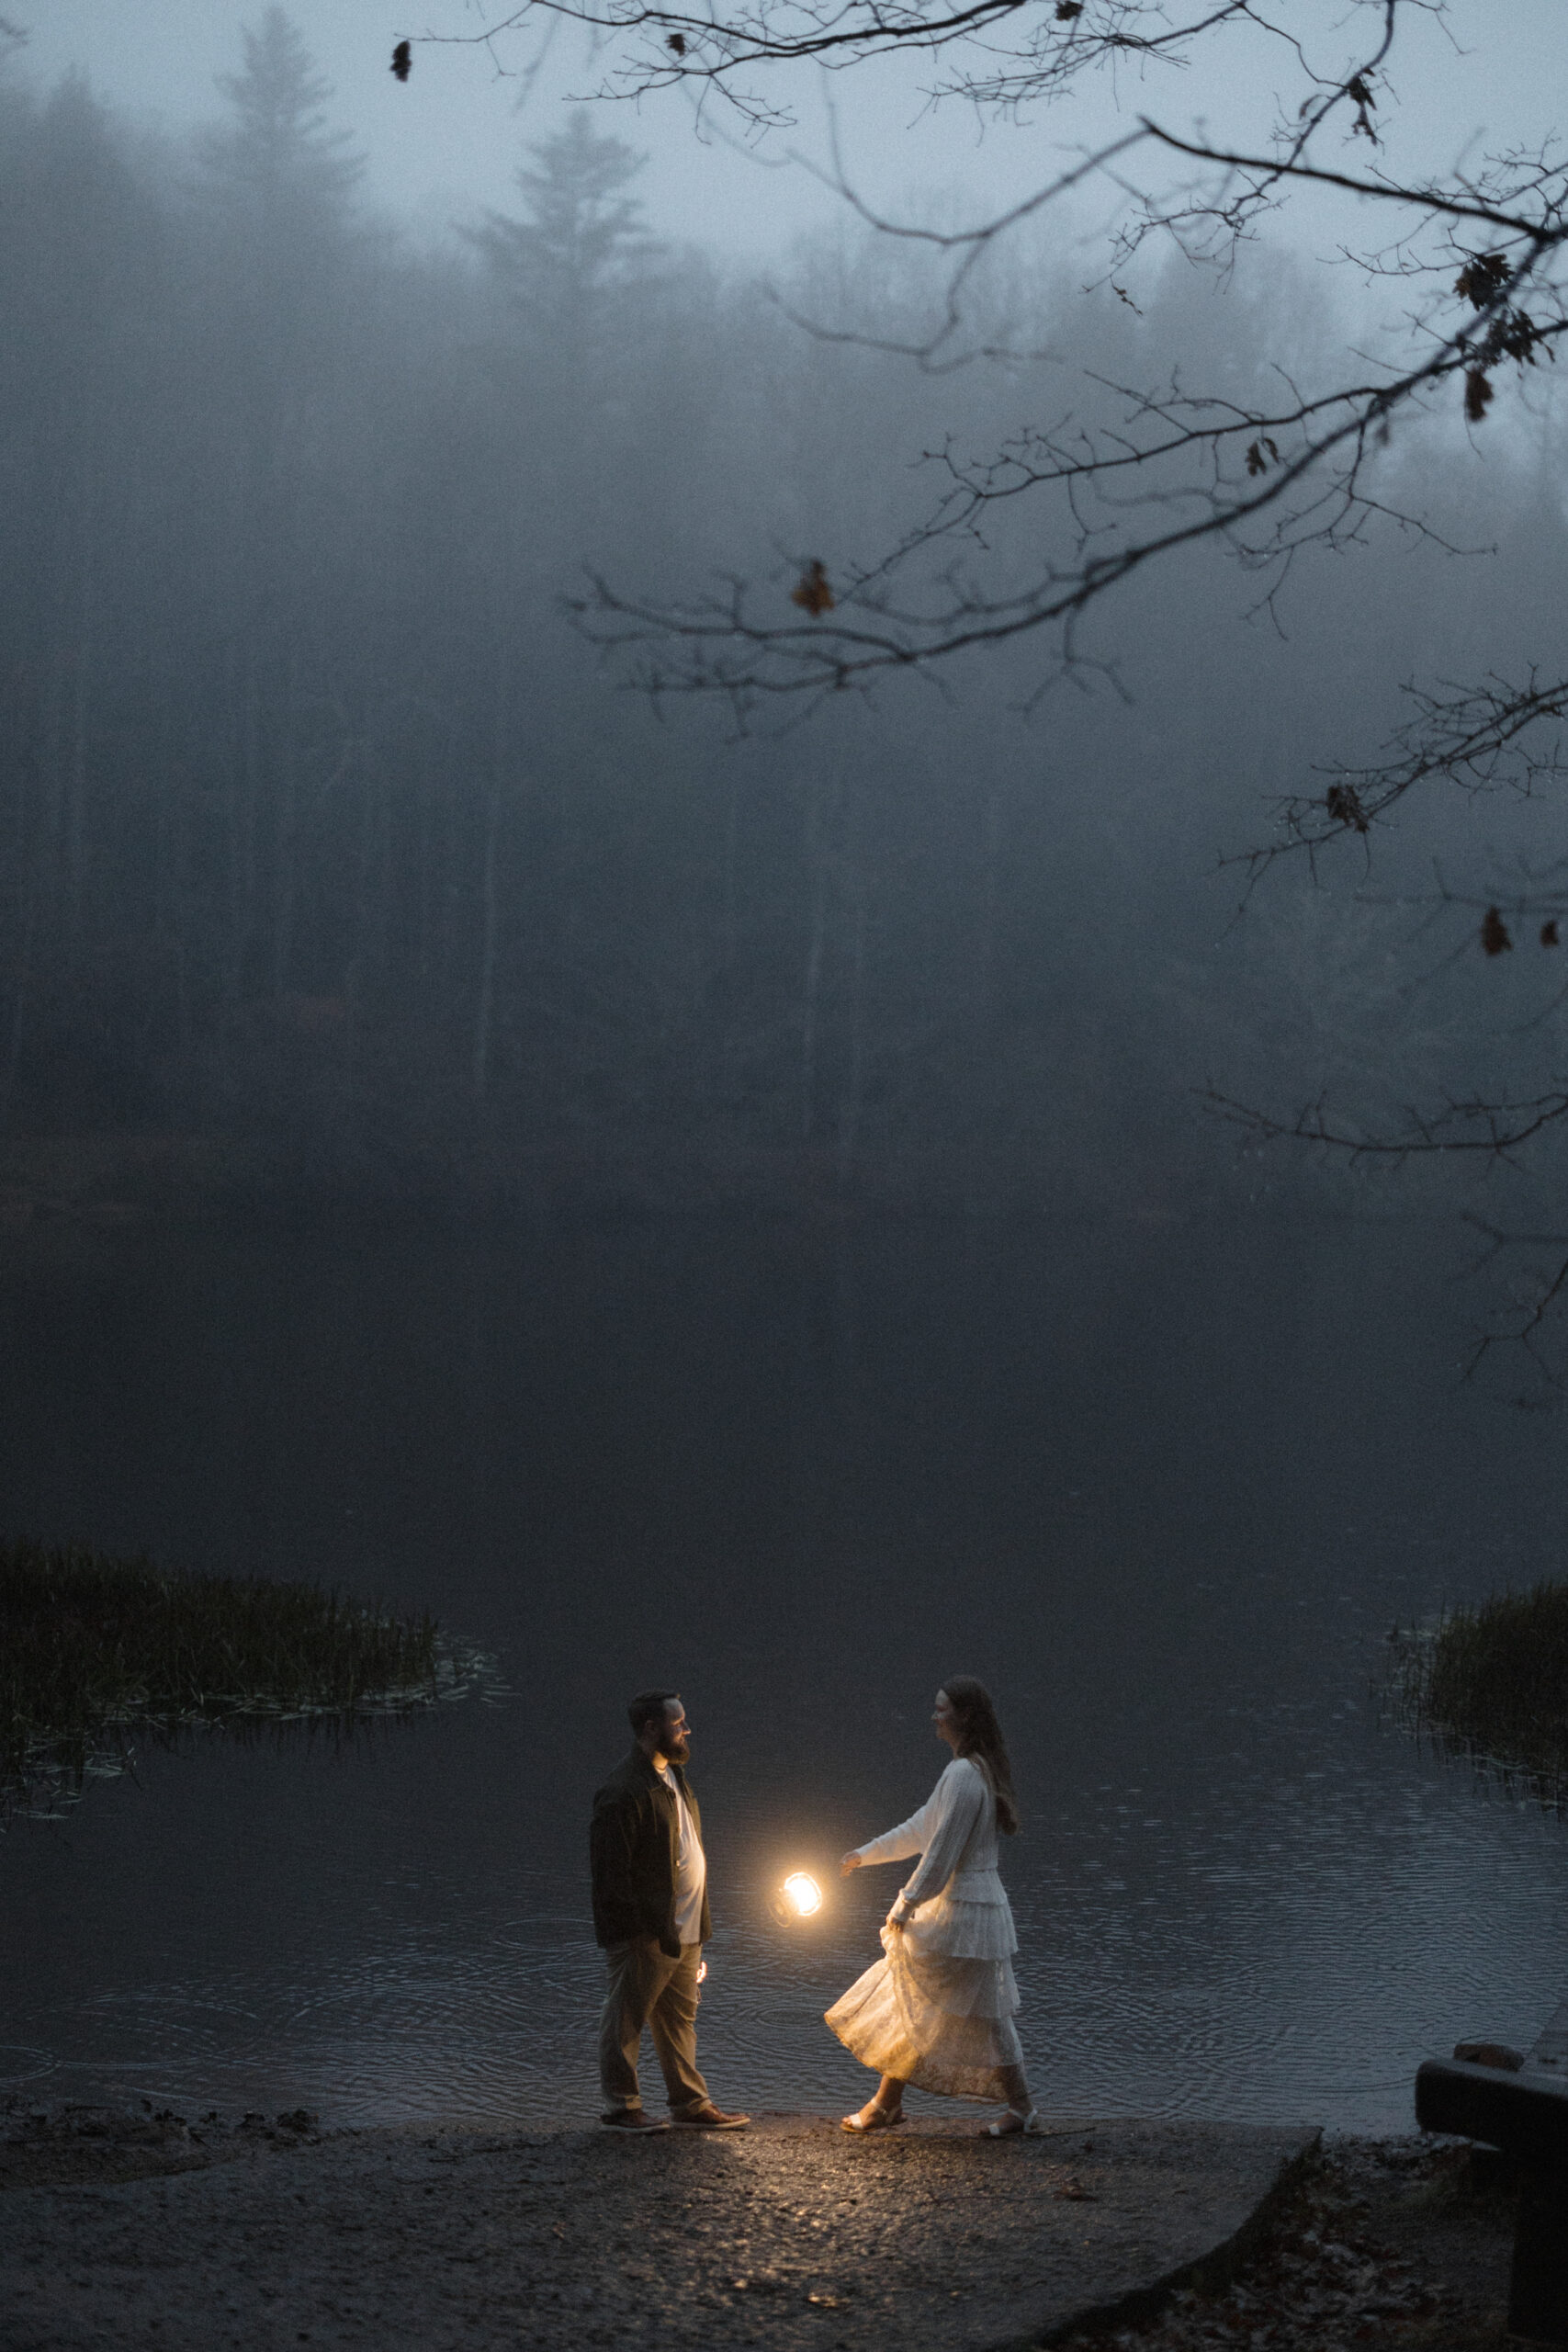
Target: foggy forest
x=784 y=963
x=340 y=863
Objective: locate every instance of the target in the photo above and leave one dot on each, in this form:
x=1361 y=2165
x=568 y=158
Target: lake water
x=1165 y=1488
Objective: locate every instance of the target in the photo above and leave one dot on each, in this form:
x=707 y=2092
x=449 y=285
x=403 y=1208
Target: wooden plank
x=1549 y=2053
x=1522 y=2108
x=1526 y=2113
x=1538 y=2286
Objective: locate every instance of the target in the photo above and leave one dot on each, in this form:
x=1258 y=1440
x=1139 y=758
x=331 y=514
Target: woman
x=937 y=2011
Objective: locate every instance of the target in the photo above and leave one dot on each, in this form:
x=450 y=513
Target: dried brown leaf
x=1477 y=394
x=1482 y=279
x=811 y=591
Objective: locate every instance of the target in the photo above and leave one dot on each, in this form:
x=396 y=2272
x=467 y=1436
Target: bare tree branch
x=1300 y=471
x=1487 y=738
x=1494 y=1129
x=1524 y=1326
x=1022 y=53
x=1021 y=545
x=1267 y=480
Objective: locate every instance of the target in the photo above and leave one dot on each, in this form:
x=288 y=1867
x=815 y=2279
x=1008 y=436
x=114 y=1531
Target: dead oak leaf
x=1343 y=804
x=811 y=590
x=1482 y=279
x=1359 y=87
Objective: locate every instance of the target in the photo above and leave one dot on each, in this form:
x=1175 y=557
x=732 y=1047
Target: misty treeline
x=325 y=837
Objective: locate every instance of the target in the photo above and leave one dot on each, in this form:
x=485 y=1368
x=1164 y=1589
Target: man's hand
x=851 y=1862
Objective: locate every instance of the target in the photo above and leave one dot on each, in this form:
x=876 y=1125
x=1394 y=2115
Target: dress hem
x=891 y=2022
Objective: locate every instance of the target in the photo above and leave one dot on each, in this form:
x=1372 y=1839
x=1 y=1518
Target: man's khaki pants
x=647 y=1987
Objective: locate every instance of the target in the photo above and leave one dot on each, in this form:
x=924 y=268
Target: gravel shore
x=151 y=2233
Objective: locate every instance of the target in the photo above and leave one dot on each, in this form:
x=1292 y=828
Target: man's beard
x=675 y=1751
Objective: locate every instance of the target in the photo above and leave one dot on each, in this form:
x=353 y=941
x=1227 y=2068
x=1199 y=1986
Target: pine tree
x=583 y=245
x=277 y=184
x=277 y=163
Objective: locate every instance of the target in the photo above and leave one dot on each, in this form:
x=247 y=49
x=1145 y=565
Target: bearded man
x=650 y=1914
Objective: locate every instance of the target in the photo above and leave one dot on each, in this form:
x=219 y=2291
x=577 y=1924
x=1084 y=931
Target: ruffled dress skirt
x=937 y=2009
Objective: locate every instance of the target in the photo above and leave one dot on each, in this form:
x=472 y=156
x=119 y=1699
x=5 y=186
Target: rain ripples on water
x=1171 y=1526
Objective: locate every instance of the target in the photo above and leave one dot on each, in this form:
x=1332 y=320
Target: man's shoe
x=633 y=2119
x=708 y=2118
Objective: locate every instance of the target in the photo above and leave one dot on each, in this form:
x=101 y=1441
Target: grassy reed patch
x=1492 y=1682
x=89 y=1645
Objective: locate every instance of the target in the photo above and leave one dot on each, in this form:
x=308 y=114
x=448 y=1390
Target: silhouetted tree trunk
x=817 y=883
x=74 y=828
x=857 y=886
x=982 y=1140
x=285 y=877
x=484 y=1005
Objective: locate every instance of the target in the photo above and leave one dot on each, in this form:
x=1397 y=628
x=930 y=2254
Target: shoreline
x=141 y=2230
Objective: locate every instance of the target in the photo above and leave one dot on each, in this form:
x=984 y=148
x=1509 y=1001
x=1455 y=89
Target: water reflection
x=53 y=1779
x=1165 y=1491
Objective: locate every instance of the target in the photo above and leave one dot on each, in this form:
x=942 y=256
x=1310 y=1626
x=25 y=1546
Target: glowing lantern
x=798 y=1898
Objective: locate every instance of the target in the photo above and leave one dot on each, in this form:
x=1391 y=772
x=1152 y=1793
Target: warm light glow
x=804 y=1892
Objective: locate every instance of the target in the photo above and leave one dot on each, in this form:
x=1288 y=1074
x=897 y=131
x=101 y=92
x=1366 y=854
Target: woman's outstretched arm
x=893 y=1846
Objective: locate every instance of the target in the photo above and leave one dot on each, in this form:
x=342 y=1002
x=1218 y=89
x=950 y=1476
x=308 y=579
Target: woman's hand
x=894 y=1922
x=851 y=1862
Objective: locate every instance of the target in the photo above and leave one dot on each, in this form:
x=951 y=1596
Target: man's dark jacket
x=631 y=1844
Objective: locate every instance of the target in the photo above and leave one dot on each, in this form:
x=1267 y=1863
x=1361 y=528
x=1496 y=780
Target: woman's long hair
x=980 y=1735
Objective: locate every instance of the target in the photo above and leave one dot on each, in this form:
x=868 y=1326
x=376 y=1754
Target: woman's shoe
x=1011 y=2125
x=873 y=2118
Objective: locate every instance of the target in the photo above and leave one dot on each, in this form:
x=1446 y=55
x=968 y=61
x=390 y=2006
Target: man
x=650 y=1912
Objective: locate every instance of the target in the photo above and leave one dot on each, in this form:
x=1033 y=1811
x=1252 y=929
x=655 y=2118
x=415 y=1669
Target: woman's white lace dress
x=937 y=2011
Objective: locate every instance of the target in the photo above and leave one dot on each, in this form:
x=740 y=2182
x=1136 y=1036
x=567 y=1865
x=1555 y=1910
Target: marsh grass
x=1491 y=1682
x=91 y=1647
